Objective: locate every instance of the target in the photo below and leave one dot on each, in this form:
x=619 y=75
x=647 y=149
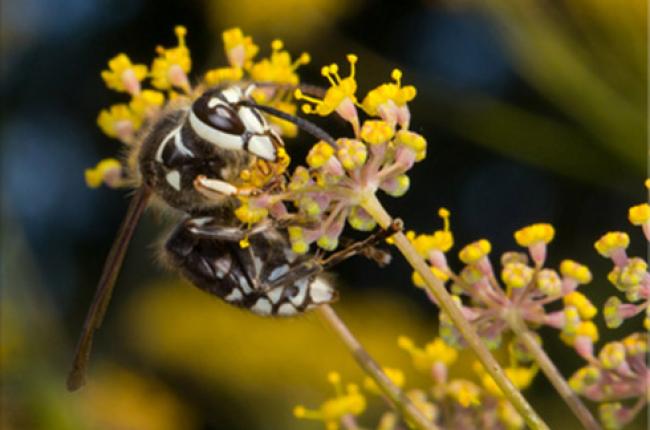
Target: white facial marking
x=278 y=271
x=214 y=101
x=320 y=291
x=250 y=120
x=262 y=147
x=164 y=142
x=275 y=294
x=178 y=142
x=287 y=309
x=174 y=179
x=302 y=290
x=201 y=221
x=262 y=307
x=214 y=136
x=232 y=94
x=234 y=296
x=218 y=186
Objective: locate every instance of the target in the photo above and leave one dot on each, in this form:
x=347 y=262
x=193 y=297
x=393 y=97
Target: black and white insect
x=190 y=158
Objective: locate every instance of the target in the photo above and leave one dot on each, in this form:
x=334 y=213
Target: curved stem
x=518 y=326
x=370 y=366
x=372 y=205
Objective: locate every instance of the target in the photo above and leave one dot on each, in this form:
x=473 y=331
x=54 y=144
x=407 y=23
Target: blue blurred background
x=534 y=111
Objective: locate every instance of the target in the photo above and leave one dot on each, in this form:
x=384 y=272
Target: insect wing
x=76 y=377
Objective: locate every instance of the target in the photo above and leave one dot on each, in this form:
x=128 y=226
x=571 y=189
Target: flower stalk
x=372 y=205
x=370 y=366
x=560 y=384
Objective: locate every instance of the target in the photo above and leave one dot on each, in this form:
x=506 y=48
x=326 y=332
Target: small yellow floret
x=146 y=103
x=414 y=141
x=384 y=94
x=339 y=97
x=352 y=153
x=376 y=132
x=279 y=68
x=584 y=329
x=395 y=375
x=346 y=402
x=249 y=213
x=516 y=275
x=223 y=74
x=108 y=170
x=319 y=154
x=636 y=344
x=521 y=378
x=639 y=214
x=123 y=75
x=574 y=270
x=170 y=67
x=578 y=300
x=584 y=378
x=611 y=242
x=475 y=251
x=119 y=121
x=466 y=393
x=433 y=352
x=360 y=220
x=240 y=49
x=535 y=233
x=612 y=355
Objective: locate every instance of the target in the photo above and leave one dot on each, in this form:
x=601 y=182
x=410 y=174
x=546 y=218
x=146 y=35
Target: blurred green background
x=534 y=111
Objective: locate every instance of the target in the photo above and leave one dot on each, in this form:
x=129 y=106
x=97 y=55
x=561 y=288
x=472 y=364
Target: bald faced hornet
x=191 y=158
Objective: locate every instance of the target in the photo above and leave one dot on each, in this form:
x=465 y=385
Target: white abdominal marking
x=287 y=309
x=320 y=291
x=302 y=291
x=262 y=307
x=234 y=296
x=275 y=294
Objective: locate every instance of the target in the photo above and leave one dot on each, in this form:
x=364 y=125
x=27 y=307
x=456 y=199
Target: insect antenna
x=303 y=124
x=76 y=377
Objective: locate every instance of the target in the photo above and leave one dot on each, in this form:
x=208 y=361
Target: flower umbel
x=347 y=403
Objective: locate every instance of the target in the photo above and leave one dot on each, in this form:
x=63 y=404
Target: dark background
x=514 y=138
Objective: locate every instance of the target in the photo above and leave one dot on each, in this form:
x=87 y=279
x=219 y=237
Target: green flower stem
x=370 y=366
x=372 y=205
x=518 y=326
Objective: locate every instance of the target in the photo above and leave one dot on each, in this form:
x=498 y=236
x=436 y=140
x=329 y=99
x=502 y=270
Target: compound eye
x=217 y=113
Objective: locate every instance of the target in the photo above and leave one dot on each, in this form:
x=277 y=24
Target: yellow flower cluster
x=434 y=352
x=629 y=274
x=388 y=101
x=346 y=402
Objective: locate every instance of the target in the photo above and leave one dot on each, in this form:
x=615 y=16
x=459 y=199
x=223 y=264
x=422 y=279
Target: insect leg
x=313 y=267
x=361 y=246
x=76 y=377
x=215 y=189
x=208 y=228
